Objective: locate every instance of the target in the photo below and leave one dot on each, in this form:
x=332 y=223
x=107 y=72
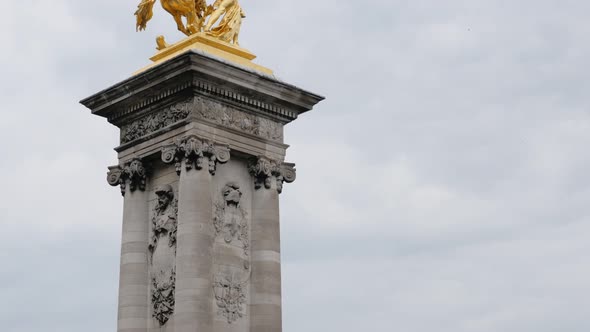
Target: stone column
x=194 y=93
x=265 y=289
x=195 y=161
x=133 y=279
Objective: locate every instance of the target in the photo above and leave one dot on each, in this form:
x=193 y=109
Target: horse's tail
x=144 y=13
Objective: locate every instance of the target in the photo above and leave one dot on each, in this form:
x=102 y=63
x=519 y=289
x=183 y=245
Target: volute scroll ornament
x=265 y=170
x=196 y=153
x=287 y=173
x=133 y=172
x=115 y=177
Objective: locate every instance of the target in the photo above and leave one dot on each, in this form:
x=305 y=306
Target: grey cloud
x=442 y=185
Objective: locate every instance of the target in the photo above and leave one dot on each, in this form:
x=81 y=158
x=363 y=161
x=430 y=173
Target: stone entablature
x=228 y=96
x=197 y=94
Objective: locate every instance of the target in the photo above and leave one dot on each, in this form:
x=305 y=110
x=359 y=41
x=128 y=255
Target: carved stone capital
x=265 y=170
x=288 y=174
x=115 y=177
x=133 y=172
x=193 y=150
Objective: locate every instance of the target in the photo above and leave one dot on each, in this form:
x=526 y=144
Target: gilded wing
x=144 y=13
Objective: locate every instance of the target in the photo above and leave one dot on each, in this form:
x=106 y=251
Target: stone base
x=212 y=46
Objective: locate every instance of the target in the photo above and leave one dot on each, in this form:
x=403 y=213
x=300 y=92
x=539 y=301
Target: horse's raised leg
x=193 y=24
x=180 y=25
x=236 y=37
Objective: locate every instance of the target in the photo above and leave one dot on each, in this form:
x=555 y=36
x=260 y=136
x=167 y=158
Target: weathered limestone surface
x=201 y=167
x=195 y=263
x=266 y=261
x=133 y=281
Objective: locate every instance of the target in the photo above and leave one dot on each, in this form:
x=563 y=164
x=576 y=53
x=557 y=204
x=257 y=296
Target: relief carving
x=134 y=171
x=162 y=250
x=193 y=150
x=230 y=297
x=205 y=109
x=265 y=170
x=234 y=119
x=155 y=122
x=230 y=218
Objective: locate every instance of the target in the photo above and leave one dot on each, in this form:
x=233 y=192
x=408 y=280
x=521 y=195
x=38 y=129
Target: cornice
x=197 y=74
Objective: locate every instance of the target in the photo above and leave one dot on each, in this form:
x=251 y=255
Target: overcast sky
x=442 y=186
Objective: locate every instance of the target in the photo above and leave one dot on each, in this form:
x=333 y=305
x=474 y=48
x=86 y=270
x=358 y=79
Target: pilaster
x=266 y=305
x=195 y=160
x=133 y=280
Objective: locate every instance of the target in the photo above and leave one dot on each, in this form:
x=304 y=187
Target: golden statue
x=229 y=28
x=213 y=29
x=196 y=12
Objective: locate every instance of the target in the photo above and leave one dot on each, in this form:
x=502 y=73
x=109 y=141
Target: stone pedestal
x=201 y=166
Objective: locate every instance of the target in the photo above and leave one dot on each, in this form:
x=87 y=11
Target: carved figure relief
x=230 y=297
x=230 y=218
x=162 y=249
x=155 y=122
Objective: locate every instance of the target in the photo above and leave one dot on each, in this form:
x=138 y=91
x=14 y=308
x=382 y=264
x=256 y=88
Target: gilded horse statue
x=195 y=12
